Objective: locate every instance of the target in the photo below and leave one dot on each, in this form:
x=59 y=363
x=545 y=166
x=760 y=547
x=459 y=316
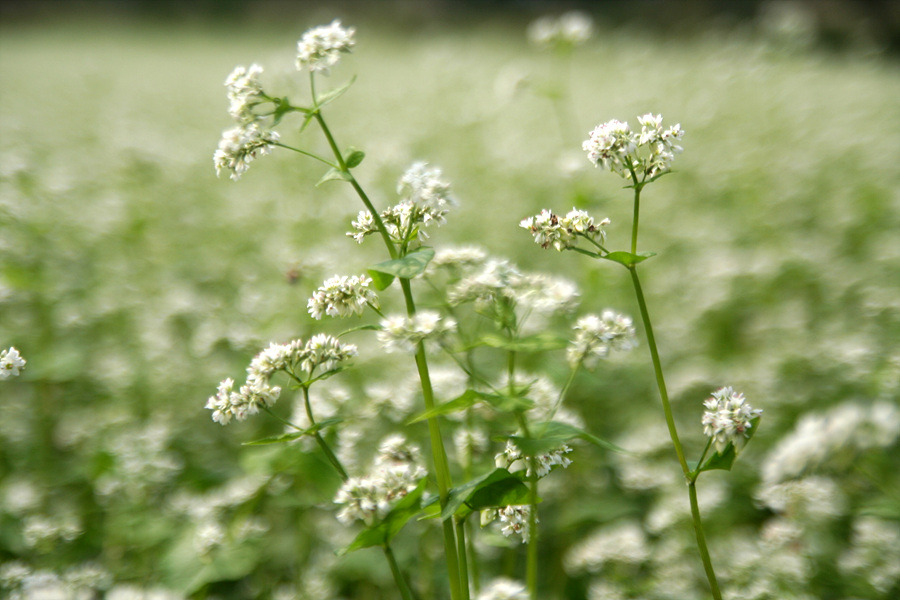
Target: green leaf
x=467 y=399
x=724 y=460
x=383 y=532
x=407 y=267
x=334 y=94
x=380 y=280
x=294 y=435
x=533 y=343
x=627 y=258
x=495 y=489
x=360 y=328
x=332 y=175
x=550 y=435
x=354 y=157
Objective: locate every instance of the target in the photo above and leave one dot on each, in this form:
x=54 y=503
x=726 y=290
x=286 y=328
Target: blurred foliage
x=132 y=280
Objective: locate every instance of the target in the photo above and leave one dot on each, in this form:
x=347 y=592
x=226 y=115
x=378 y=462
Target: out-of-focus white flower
x=874 y=552
x=457 y=259
x=396 y=472
x=244 y=92
x=240 y=145
x=320 y=48
x=596 y=336
x=622 y=543
x=562 y=233
x=402 y=334
x=503 y=589
x=11 y=363
x=512 y=459
x=570 y=29
x=342 y=296
x=727 y=418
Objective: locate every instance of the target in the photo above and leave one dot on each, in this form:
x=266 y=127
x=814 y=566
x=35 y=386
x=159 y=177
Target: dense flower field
x=132 y=280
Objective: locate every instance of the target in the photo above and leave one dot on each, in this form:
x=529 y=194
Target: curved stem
x=305 y=153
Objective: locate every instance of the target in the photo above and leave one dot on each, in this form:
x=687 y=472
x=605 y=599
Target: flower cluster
x=244 y=92
x=342 y=296
x=402 y=334
x=596 y=336
x=425 y=200
x=320 y=48
x=550 y=229
x=512 y=459
x=321 y=350
x=513 y=520
x=395 y=473
x=629 y=154
x=11 y=363
x=503 y=589
x=570 y=29
x=240 y=145
x=727 y=418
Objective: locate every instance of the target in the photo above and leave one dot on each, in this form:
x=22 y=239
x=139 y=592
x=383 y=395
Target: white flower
x=342 y=296
x=596 y=336
x=325 y=351
x=621 y=543
x=571 y=29
x=513 y=459
x=244 y=92
x=562 y=233
x=11 y=363
x=610 y=145
x=240 y=146
x=402 y=334
x=727 y=418
x=320 y=48
x=613 y=146
x=514 y=521
x=503 y=589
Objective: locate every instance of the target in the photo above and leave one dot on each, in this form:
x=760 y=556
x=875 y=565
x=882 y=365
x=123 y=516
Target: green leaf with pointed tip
x=383 y=532
x=380 y=280
x=407 y=267
x=495 y=489
x=334 y=94
x=332 y=175
x=360 y=328
x=724 y=460
x=550 y=435
x=462 y=402
x=294 y=435
x=627 y=258
x=354 y=157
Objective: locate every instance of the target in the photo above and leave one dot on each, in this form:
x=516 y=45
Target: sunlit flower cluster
x=727 y=418
x=400 y=333
x=11 y=363
x=342 y=296
x=320 y=48
x=642 y=155
x=244 y=92
x=425 y=200
x=512 y=459
x=240 y=145
x=596 y=336
x=396 y=471
x=502 y=588
x=569 y=29
x=513 y=520
x=550 y=229
x=321 y=351
x=620 y=543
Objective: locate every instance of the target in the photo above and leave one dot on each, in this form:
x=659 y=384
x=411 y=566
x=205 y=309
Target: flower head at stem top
x=400 y=333
x=11 y=363
x=342 y=296
x=321 y=47
x=244 y=93
x=240 y=145
x=562 y=233
x=596 y=336
x=727 y=418
x=640 y=155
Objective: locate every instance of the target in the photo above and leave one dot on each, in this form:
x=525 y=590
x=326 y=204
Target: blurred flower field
x=132 y=280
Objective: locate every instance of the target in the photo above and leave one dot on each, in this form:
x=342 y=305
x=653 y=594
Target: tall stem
x=405 y=592
x=701 y=541
x=326 y=449
x=463 y=560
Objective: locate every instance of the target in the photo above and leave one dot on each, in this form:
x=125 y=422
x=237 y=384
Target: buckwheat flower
x=320 y=48
x=11 y=363
x=512 y=459
x=495 y=280
x=240 y=146
x=342 y=296
x=423 y=187
x=727 y=418
x=620 y=543
x=325 y=351
x=610 y=146
x=402 y=334
x=244 y=92
x=514 y=521
x=457 y=259
x=596 y=336
x=276 y=357
x=570 y=29
x=222 y=403
x=502 y=588
x=363 y=226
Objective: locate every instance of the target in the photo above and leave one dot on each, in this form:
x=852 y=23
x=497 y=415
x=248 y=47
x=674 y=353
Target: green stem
x=332 y=458
x=463 y=560
x=405 y=592
x=701 y=542
x=637 y=214
x=531 y=564
x=305 y=153
x=473 y=558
